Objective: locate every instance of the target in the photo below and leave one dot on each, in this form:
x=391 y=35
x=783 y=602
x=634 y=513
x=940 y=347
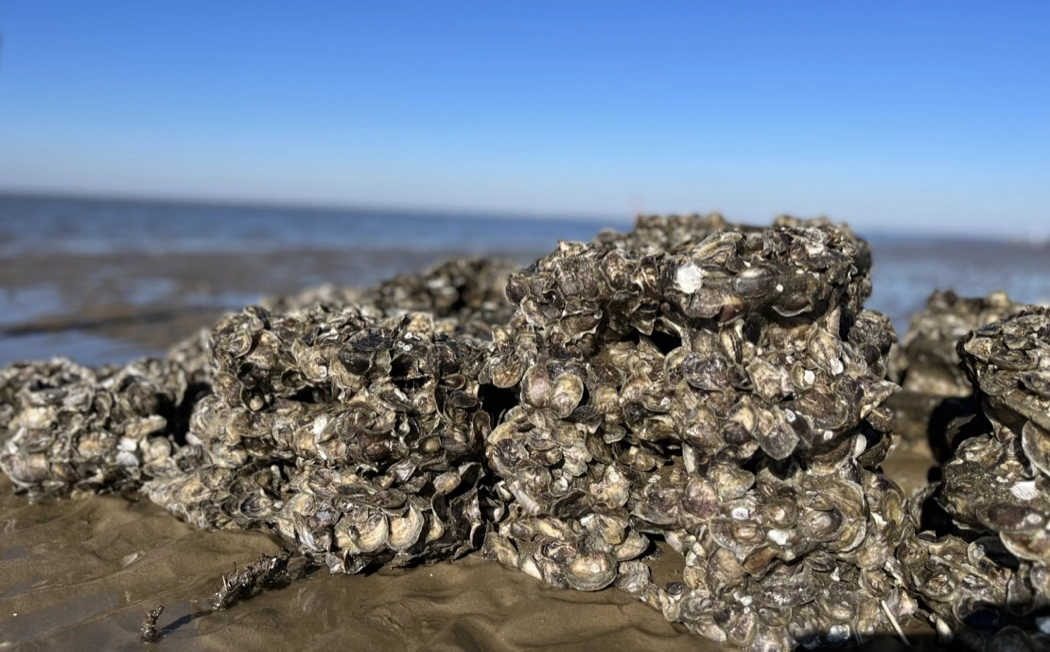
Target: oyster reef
x=693 y=395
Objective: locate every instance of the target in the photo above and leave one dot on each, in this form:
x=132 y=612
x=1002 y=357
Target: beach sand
x=81 y=573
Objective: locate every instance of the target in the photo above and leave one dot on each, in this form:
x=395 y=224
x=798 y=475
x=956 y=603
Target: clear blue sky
x=914 y=115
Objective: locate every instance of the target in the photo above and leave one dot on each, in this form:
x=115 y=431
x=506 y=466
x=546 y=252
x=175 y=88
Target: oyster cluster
x=716 y=388
x=69 y=428
x=926 y=365
x=347 y=421
x=927 y=360
x=694 y=412
x=984 y=562
x=351 y=426
x=464 y=295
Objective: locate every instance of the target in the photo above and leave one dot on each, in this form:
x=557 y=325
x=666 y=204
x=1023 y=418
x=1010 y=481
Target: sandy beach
x=80 y=574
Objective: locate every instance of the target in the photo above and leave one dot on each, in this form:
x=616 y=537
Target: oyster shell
x=70 y=428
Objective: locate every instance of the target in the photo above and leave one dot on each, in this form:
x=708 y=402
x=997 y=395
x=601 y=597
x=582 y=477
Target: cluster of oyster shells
x=694 y=412
x=464 y=296
x=934 y=387
x=350 y=423
x=982 y=564
x=68 y=428
x=716 y=388
x=927 y=360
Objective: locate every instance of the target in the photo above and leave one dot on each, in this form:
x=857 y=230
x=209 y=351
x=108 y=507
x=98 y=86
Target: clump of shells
x=693 y=396
x=716 y=388
x=983 y=565
x=927 y=360
x=464 y=295
x=934 y=388
x=74 y=429
x=351 y=426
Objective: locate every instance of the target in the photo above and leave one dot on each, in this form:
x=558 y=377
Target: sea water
x=906 y=269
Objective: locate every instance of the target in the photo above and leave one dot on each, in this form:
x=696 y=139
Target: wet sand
x=81 y=573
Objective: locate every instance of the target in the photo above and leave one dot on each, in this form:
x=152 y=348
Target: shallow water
x=904 y=272
x=104 y=226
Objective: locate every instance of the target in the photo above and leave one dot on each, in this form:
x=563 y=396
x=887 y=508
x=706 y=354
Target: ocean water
x=99 y=226
x=64 y=256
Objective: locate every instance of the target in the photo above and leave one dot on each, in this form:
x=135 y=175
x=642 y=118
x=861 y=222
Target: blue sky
x=889 y=115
